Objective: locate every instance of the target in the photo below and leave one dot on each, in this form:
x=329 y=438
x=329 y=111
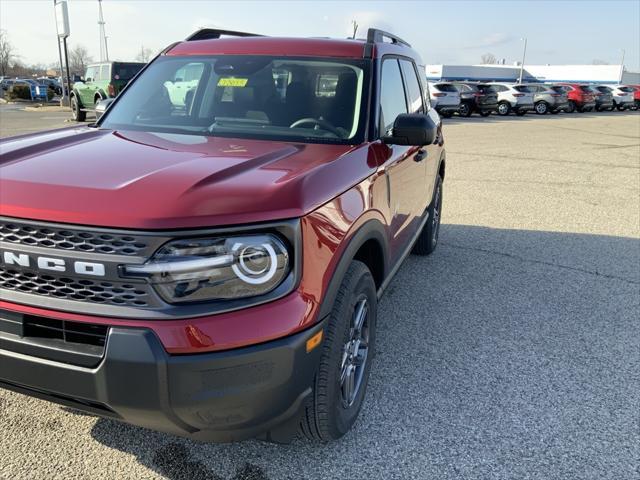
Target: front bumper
x=223 y=396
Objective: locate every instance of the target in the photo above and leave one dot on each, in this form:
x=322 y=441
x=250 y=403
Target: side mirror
x=102 y=106
x=414 y=129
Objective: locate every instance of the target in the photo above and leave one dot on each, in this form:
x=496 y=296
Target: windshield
x=289 y=99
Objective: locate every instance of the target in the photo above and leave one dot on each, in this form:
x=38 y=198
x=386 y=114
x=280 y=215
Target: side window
x=413 y=87
x=90 y=76
x=104 y=72
x=392 y=98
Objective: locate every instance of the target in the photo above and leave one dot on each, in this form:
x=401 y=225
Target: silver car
x=548 y=98
x=516 y=98
x=445 y=98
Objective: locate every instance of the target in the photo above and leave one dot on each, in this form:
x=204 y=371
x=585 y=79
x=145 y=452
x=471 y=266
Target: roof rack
x=375 y=35
x=214 y=33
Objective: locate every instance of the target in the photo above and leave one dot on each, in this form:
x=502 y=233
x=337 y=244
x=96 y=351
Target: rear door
x=405 y=166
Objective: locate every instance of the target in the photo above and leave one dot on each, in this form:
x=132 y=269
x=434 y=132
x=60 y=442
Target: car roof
x=291 y=47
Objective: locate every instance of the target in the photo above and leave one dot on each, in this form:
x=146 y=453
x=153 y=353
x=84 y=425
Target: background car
x=513 y=97
x=476 y=97
x=604 y=97
x=622 y=96
x=445 y=98
x=51 y=84
x=547 y=99
x=636 y=97
x=581 y=97
x=101 y=81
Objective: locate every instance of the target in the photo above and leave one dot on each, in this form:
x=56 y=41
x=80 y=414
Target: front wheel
x=621 y=108
x=504 y=108
x=542 y=108
x=341 y=382
x=428 y=239
x=572 y=107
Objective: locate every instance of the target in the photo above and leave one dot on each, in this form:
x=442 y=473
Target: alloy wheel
x=355 y=353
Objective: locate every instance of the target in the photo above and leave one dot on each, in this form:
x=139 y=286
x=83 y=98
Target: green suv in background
x=101 y=81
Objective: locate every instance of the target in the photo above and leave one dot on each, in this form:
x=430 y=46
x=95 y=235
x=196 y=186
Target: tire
x=504 y=109
x=485 y=113
x=572 y=107
x=465 y=110
x=542 y=108
x=621 y=108
x=78 y=115
x=331 y=411
x=428 y=239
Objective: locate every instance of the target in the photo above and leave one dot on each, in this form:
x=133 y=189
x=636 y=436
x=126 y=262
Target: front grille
x=63 y=341
x=71 y=239
x=83 y=290
x=68 y=332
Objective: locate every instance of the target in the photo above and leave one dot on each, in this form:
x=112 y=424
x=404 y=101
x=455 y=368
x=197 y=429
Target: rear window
x=125 y=71
x=626 y=89
x=446 y=87
x=559 y=89
x=586 y=88
x=487 y=89
x=523 y=89
x=604 y=89
x=465 y=87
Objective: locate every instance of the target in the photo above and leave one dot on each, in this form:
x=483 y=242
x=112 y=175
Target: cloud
x=492 y=40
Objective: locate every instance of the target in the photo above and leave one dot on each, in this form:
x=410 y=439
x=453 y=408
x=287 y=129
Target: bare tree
x=488 y=59
x=144 y=55
x=79 y=58
x=6 y=53
x=597 y=61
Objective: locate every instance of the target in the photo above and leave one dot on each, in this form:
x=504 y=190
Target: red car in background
x=581 y=97
x=636 y=97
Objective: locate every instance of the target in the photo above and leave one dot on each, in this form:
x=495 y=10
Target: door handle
x=420 y=155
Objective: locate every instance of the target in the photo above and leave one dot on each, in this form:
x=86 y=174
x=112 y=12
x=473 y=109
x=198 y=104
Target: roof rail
x=375 y=35
x=214 y=33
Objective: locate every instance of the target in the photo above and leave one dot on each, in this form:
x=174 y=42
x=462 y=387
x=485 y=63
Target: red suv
x=581 y=97
x=207 y=259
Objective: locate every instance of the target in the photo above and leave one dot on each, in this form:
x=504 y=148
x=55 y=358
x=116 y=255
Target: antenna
x=104 y=50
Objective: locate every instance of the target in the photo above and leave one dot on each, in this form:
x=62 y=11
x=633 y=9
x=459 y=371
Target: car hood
x=160 y=181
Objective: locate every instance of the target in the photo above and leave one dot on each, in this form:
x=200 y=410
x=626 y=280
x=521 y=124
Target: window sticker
x=233 y=82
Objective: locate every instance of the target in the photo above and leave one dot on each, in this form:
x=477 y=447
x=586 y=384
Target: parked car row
x=484 y=98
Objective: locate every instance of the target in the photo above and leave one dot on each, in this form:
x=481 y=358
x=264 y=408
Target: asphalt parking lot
x=513 y=352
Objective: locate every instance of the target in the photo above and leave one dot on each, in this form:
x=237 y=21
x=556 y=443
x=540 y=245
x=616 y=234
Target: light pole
x=621 y=67
x=63 y=99
x=524 y=54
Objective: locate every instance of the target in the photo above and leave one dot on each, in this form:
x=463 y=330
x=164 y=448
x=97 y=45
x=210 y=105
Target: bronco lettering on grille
x=51 y=264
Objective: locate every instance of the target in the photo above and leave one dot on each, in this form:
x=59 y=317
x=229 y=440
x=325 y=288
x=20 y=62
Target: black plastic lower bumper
x=222 y=396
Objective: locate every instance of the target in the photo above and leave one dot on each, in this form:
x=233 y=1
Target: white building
x=534 y=73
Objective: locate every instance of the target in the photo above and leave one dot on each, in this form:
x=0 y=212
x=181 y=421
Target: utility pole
x=621 y=67
x=354 y=24
x=524 y=53
x=104 y=51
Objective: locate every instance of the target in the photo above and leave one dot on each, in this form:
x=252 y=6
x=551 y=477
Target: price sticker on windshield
x=233 y=82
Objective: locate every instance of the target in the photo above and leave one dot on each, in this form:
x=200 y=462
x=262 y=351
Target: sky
x=450 y=32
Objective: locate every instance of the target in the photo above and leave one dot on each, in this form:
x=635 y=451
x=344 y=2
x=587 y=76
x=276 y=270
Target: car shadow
x=503 y=353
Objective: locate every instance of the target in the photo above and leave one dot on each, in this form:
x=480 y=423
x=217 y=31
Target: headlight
x=193 y=270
